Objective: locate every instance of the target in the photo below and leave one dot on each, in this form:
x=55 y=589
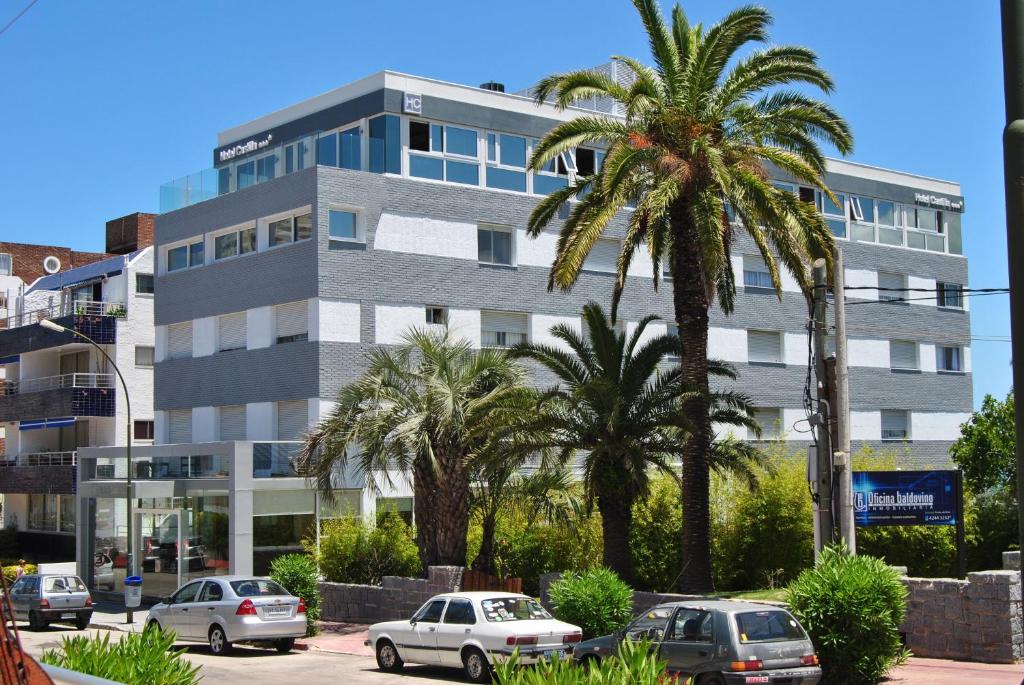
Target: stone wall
x=978 y=619
x=642 y=601
x=395 y=599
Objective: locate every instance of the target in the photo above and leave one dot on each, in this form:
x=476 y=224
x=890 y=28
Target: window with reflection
x=342 y=224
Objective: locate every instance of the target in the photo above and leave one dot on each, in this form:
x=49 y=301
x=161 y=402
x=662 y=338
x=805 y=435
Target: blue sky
x=101 y=102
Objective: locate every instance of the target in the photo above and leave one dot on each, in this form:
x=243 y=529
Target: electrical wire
x=18 y=16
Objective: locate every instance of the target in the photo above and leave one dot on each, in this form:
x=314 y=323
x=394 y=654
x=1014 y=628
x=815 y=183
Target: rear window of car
x=768 y=626
x=55 y=585
x=501 y=609
x=257 y=588
x=75 y=584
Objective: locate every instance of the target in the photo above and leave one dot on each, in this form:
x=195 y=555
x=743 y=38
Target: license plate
x=276 y=611
x=68 y=616
x=756 y=679
x=556 y=653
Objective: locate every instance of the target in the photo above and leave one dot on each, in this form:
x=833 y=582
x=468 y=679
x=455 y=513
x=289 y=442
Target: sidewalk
x=942 y=672
x=340 y=638
x=110 y=615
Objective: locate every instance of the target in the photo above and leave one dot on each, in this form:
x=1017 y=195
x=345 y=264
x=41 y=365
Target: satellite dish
x=51 y=264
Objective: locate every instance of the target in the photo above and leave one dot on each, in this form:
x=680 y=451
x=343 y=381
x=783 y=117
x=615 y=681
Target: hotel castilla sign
x=939 y=202
x=412 y=103
x=245 y=148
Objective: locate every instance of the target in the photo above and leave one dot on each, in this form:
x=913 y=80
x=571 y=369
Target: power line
x=976 y=293
x=18 y=16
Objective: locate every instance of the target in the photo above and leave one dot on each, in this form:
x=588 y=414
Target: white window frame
x=360 y=225
x=237 y=230
x=8 y=259
x=917 y=356
x=766 y=271
x=781 y=361
x=498 y=228
x=481 y=151
x=142 y=294
x=944 y=295
x=888 y=295
x=187 y=244
x=152 y=354
x=293 y=216
x=773 y=432
x=591 y=268
x=907 y=426
x=431 y=310
x=940 y=355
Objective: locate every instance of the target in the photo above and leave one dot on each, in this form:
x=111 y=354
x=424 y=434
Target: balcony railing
x=158 y=468
x=41 y=459
x=69 y=308
x=67 y=380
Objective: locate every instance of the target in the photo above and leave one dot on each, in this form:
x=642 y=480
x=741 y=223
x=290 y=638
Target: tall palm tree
x=423 y=409
x=701 y=128
x=619 y=410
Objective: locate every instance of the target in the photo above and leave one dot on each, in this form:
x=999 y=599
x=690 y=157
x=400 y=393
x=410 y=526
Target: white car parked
x=473 y=630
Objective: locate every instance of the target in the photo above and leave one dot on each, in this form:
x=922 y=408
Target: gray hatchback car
x=42 y=599
x=720 y=642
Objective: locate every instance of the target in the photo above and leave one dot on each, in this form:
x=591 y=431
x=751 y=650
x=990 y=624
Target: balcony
x=39 y=473
x=73 y=394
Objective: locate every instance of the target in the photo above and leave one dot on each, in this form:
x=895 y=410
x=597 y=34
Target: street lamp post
x=51 y=325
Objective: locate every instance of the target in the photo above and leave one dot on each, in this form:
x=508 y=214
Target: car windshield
x=655 y=618
x=768 y=626
x=257 y=587
x=502 y=609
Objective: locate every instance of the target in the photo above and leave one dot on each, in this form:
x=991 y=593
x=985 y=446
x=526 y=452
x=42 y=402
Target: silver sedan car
x=226 y=609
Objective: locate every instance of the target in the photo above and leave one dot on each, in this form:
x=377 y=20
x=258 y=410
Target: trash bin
x=133 y=592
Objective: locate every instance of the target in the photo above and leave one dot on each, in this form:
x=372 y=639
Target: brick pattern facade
x=27 y=260
x=38 y=480
x=130 y=233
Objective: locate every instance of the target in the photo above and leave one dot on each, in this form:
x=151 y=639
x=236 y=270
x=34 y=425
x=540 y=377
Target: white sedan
x=473 y=630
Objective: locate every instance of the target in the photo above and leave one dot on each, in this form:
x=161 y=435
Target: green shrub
x=656 y=538
x=596 y=601
x=144 y=658
x=636 y=664
x=527 y=549
x=991 y=523
x=352 y=551
x=11 y=571
x=297 y=573
x=852 y=606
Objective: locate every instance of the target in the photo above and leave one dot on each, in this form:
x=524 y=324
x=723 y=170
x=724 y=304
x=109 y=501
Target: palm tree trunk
x=616 y=507
x=691 y=304
x=442 y=510
x=485 y=558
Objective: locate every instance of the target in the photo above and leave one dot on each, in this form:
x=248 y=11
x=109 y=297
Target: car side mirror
x=412 y=621
x=654 y=634
x=166 y=600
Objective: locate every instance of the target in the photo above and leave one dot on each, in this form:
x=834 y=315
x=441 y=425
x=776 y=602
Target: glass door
x=159 y=539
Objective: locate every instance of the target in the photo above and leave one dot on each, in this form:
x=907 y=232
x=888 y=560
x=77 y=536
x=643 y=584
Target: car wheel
x=387 y=656
x=284 y=645
x=589 y=661
x=219 y=644
x=475 y=666
x=35 y=621
x=82 y=622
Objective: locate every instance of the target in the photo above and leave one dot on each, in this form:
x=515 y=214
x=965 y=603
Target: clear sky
x=101 y=102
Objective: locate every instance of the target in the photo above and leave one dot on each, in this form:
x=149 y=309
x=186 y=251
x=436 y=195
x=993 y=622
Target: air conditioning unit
x=51 y=264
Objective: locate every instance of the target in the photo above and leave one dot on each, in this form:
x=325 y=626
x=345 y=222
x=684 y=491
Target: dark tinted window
x=430 y=613
x=144 y=283
x=460 y=611
x=764 y=626
x=212 y=592
x=186 y=594
x=257 y=587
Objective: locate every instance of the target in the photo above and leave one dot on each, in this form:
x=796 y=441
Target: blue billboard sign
x=906 y=498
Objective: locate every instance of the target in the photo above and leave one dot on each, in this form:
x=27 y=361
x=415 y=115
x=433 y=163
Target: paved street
x=316 y=667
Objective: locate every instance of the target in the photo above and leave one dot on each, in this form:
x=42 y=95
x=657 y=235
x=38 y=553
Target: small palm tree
x=692 y=154
x=617 y=406
x=423 y=409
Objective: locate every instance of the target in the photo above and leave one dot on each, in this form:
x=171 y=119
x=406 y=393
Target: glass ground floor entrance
x=174 y=539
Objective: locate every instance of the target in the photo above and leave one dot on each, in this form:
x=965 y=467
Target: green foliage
x=656 y=538
x=596 y=601
x=636 y=664
x=991 y=528
x=762 y=537
x=352 y=551
x=852 y=607
x=297 y=573
x=985 y=450
x=144 y=658
x=11 y=571
x=527 y=547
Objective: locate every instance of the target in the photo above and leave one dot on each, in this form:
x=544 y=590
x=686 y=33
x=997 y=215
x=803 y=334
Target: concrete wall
x=395 y=599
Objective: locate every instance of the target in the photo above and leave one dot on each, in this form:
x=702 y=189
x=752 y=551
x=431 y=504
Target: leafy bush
x=852 y=606
x=11 y=571
x=991 y=527
x=142 y=658
x=527 y=549
x=636 y=663
x=352 y=551
x=763 y=537
x=596 y=601
x=297 y=573
x=656 y=537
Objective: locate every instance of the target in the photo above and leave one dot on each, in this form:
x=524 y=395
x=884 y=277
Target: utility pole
x=841 y=409
x=1013 y=171
x=825 y=523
